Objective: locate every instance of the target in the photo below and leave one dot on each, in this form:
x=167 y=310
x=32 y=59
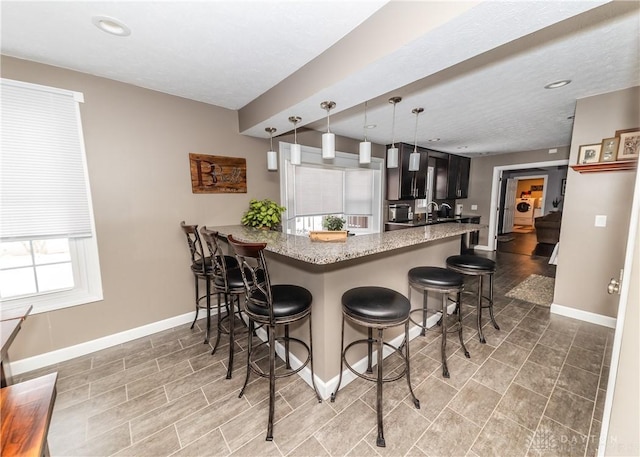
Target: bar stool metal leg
x=335 y=393
x=459 y=312
x=380 y=439
x=443 y=319
x=479 y=311
x=493 y=319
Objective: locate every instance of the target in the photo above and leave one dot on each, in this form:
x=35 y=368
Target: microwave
x=398 y=213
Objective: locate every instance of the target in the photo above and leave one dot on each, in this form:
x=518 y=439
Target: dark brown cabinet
x=403 y=184
x=450 y=175
x=458 y=175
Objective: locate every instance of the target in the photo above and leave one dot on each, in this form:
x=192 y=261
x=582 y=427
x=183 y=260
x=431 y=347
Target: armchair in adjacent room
x=548 y=227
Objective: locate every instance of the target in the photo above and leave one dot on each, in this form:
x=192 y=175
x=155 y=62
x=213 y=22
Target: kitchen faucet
x=445 y=205
x=427 y=208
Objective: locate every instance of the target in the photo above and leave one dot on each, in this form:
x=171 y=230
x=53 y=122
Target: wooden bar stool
x=376 y=308
x=445 y=282
x=472 y=265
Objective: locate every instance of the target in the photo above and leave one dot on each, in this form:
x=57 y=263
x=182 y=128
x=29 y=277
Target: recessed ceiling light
x=433 y=140
x=111 y=25
x=556 y=84
x=370 y=126
x=463 y=147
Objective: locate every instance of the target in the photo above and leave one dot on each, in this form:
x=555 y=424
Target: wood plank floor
x=536 y=388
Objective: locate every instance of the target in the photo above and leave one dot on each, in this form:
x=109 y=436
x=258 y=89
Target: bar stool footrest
x=373 y=378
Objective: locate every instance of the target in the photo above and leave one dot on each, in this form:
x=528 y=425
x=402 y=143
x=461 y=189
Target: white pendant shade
x=296 y=154
x=392 y=158
x=414 y=161
x=328 y=145
x=365 y=152
x=272 y=160
x=272 y=156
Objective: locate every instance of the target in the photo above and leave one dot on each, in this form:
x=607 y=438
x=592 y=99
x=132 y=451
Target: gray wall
x=590 y=256
x=137 y=144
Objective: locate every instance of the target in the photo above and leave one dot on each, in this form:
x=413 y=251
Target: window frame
x=313 y=156
x=84 y=253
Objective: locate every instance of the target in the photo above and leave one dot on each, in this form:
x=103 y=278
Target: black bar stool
x=376 y=308
x=273 y=305
x=202 y=269
x=472 y=265
x=227 y=280
x=445 y=282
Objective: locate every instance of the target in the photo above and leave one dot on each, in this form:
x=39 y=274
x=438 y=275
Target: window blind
x=358 y=192
x=318 y=191
x=43 y=181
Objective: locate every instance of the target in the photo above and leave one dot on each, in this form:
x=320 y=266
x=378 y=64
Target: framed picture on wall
x=629 y=147
x=589 y=153
x=609 y=149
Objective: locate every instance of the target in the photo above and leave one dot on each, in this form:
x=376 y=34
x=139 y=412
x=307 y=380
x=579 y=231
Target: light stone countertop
x=322 y=253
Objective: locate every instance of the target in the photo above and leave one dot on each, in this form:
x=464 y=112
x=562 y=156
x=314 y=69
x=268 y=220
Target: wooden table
x=26 y=410
x=11 y=322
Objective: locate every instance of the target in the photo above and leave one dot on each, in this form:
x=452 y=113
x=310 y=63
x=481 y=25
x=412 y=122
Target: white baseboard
x=586 y=316
x=325 y=389
x=71 y=352
x=483 y=247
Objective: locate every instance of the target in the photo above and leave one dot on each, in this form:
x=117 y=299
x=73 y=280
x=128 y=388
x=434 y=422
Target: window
x=315 y=189
x=48 y=250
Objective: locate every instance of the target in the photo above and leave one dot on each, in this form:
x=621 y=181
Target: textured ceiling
x=477 y=68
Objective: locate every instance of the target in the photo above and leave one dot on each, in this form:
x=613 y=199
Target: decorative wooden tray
x=336 y=236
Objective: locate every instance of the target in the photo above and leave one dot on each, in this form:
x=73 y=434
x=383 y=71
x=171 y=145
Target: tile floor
x=535 y=389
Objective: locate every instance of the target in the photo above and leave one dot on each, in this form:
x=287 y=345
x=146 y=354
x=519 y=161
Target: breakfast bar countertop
x=301 y=248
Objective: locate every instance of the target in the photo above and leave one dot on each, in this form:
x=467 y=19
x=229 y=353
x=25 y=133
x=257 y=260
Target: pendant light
x=365 y=146
x=328 y=139
x=296 y=152
x=414 y=157
x=272 y=156
x=392 y=152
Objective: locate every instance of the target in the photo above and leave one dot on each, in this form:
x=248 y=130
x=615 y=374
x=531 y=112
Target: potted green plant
x=556 y=202
x=333 y=223
x=265 y=214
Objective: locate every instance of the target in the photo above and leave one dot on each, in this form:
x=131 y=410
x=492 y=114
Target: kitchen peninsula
x=330 y=269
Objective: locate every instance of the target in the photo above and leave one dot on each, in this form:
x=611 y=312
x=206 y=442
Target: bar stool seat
x=472 y=265
x=376 y=308
x=445 y=282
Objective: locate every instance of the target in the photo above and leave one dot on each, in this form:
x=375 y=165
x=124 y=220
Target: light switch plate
x=601 y=220
x=474 y=207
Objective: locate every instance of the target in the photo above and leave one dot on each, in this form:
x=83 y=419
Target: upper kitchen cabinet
x=458 y=176
x=403 y=184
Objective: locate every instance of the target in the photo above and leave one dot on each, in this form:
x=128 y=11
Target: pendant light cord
x=415 y=138
x=393 y=127
x=364 y=128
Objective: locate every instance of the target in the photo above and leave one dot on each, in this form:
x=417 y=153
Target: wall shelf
x=606 y=166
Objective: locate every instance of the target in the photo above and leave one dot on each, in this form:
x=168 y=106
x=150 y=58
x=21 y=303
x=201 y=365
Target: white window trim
x=84 y=251
x=86 y=275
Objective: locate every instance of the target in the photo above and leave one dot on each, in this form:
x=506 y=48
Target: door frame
x=620 y=318
x=492 y=239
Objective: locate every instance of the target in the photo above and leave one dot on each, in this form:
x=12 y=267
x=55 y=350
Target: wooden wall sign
x=217 y=175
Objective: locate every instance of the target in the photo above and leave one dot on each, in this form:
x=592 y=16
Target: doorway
x=512 y=182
